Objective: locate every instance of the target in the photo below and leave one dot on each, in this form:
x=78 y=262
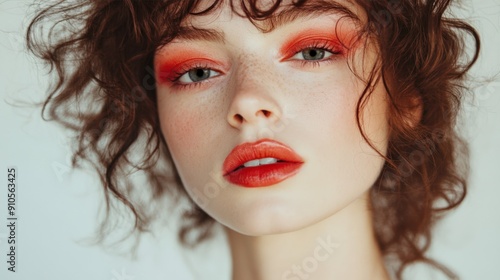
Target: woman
x=319 y=134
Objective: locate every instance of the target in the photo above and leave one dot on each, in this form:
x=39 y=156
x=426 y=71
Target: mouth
x=263 y=163
x=258 y=162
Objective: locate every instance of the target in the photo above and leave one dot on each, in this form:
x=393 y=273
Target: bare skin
x=315 y=224
x=339 y=247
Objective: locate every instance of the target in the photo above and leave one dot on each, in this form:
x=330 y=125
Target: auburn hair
x=102 y=54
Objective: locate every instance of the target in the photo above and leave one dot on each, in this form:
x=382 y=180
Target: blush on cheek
x=184 y=129
x=180 y=133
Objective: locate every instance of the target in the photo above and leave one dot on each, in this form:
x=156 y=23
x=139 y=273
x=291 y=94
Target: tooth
x=254 y=162
x=267 y=161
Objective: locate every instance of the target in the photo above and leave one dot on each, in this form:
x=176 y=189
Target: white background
x=57 y=209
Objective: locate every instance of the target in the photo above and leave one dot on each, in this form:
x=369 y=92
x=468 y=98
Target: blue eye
x=312 y=54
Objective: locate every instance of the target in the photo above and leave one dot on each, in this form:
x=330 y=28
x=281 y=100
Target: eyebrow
x=191 y=33
x=311 y=9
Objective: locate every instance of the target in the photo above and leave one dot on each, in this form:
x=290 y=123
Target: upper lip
x=261 y=149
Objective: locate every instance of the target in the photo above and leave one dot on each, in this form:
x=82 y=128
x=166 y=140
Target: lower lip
x=263 y=175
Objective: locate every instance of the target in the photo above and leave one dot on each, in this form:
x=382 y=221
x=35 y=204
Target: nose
x=253 y=103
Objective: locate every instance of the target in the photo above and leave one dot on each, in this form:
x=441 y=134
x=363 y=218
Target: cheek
x=178 y=128
x=329 y=114
x=327 y=102
x=183 y=129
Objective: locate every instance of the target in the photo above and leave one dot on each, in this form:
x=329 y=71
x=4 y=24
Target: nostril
x=238 y=117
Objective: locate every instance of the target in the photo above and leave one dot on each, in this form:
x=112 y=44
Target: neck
x=343 y=246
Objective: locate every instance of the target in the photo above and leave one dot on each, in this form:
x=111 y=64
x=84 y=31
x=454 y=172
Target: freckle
x=253 y=67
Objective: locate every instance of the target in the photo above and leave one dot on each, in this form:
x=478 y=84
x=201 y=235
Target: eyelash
x=185 y=69
x=323 y=45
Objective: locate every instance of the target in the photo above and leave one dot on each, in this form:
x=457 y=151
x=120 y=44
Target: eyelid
x=171 y=69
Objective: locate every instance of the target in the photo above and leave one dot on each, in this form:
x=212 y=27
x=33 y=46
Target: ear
x=415 y=108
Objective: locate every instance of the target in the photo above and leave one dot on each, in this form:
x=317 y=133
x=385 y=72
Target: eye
x=312 y=54
x=196 y=75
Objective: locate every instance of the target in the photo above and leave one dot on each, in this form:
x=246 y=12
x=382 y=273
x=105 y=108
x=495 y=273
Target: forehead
x=270 y=14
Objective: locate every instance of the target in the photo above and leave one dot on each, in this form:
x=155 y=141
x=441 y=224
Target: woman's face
x=231 y=84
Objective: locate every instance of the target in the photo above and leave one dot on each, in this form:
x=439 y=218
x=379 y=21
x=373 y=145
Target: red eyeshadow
x=170 y=64
x=341 y=38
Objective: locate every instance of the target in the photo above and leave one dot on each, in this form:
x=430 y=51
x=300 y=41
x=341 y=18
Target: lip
x=289 y=163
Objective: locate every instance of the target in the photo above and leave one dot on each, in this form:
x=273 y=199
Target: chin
x=268 y=218
x=267 y=227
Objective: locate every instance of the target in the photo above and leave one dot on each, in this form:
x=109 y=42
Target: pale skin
x=315 y=224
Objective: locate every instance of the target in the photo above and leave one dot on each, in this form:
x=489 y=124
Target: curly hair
x=102 y=53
